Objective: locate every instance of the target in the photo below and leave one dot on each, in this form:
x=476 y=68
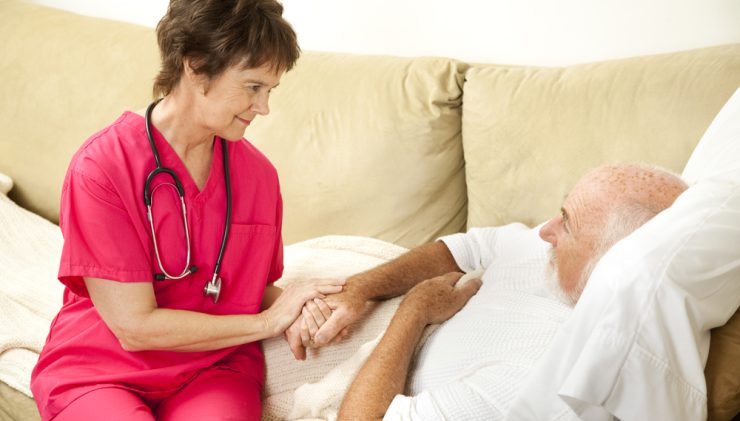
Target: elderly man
x=471 y=366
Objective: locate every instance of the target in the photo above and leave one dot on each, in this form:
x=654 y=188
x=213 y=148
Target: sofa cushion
x=368 y=145
x=65 y=76
x=530 y=133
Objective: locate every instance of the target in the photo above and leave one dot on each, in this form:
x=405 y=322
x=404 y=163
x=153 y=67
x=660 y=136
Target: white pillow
x=636 y=343
x=718 y=153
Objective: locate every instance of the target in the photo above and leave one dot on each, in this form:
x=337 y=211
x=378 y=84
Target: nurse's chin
x=233 y=134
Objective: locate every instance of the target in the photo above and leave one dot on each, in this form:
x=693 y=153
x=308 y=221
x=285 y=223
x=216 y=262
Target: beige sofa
x=399 y=149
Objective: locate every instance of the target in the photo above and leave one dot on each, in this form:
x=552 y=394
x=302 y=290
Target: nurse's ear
x=191 y=79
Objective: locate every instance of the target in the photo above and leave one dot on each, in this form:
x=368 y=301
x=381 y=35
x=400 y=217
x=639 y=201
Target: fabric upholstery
x=15 y=406
x=723 y=371
x=369 y=146
x=530 y=133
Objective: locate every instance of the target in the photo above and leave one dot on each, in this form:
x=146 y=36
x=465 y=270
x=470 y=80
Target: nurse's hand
x=293 y=337
x=287 y=307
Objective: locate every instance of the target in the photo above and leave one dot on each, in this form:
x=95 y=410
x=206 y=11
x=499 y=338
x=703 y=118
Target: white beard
x=552 y=281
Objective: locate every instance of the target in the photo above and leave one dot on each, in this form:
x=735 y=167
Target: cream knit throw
x=30 y=295
x=314 y=388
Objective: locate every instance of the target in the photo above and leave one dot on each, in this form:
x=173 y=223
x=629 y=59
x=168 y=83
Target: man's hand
x=346 y=307
x=293 y=337
x=436 y=300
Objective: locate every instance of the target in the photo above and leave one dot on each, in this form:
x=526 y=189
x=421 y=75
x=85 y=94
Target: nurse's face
x=228 y=103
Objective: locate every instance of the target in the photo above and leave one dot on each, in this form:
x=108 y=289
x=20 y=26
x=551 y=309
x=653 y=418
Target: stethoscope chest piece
x=213 y=288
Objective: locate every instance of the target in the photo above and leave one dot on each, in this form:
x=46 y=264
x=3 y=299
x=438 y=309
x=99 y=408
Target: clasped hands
x=325 y=320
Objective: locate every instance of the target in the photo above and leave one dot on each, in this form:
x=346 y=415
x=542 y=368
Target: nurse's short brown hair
x=216 y=34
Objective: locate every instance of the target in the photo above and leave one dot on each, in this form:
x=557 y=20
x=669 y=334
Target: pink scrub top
x=107 y=235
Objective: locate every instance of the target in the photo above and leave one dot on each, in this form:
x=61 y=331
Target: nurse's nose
x=261 y=106
x=548 y=232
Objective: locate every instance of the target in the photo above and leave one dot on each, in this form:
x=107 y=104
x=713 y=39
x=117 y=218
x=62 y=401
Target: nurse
x=139 y=336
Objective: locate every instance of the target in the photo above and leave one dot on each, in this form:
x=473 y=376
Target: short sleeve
x=100 y=240
x=472 y=250
x=406 y=408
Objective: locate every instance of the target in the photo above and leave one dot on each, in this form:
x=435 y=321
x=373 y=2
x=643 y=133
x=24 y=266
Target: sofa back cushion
x=64 y=77
x=530 y=133
x=368 y=145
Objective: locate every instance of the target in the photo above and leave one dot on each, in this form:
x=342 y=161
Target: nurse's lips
x=245 y=122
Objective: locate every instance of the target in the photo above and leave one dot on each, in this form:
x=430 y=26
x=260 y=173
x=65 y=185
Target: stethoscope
x=213 y=287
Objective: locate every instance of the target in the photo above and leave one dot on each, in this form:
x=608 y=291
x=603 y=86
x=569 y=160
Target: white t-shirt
x=471 y=367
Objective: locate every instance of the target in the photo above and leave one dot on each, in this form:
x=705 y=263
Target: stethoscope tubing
x=212 y=288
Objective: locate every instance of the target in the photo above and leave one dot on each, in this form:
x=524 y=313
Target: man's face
x=573 y=235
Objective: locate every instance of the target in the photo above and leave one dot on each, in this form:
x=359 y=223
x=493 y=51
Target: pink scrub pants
x=215 y=394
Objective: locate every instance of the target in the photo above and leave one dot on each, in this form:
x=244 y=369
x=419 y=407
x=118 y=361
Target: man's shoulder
x=512 y=243
x=515 y=232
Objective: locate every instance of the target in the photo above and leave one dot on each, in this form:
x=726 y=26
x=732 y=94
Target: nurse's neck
x=178 y=121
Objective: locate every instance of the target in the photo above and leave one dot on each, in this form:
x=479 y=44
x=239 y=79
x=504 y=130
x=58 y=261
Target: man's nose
x=548 y=231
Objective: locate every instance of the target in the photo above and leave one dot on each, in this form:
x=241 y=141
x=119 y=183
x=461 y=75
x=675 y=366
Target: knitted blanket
x=314 y=388
x=30 y=295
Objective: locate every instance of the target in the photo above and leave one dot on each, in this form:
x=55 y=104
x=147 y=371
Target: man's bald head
x=635 y=186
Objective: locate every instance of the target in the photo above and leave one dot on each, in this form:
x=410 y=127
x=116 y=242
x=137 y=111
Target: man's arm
x=398 y=276
x=384 y=374
x=385 y=281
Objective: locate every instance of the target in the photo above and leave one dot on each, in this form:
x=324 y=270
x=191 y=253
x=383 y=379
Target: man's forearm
x=385 y=281
x=384 y=374
x=403 y=273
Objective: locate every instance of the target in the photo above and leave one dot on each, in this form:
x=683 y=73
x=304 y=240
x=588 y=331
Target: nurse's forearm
x=181 y=330
x=130 y=311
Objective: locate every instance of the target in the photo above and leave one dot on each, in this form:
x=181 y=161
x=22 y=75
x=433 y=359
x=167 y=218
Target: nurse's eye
x=254 y=88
